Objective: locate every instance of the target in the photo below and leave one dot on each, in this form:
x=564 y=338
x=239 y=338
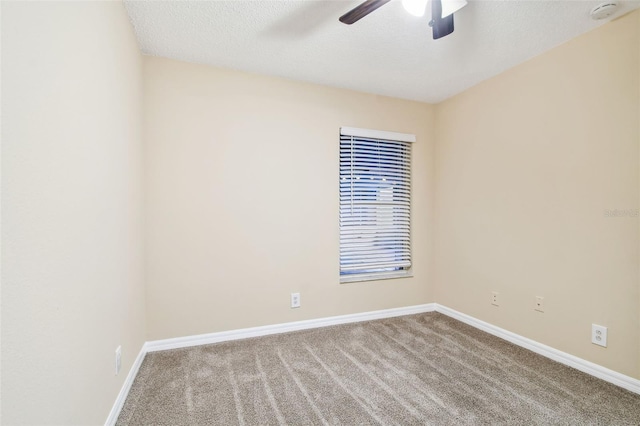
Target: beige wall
x=72 y=288
x=242 y=196
x=526 y=165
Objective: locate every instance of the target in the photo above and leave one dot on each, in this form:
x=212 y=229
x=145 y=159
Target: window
x=375 y=204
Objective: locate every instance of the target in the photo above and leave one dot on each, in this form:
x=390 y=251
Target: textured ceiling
x=388 y=52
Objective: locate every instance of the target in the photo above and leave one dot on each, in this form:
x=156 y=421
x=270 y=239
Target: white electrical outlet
x=295 y=300
x=599 y=335
x=539 y=306
x=494 y=298
x=118 y=359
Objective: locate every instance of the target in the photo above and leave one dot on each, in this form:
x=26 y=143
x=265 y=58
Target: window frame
x=391 y=137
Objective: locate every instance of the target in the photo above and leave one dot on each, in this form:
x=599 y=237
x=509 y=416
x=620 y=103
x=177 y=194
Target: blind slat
x=375 y=266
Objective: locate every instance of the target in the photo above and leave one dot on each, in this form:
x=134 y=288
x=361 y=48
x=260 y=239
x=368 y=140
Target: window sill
x=375 y=277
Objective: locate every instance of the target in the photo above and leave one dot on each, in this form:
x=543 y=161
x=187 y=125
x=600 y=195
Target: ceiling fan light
x=415 y=7
x=451 y=6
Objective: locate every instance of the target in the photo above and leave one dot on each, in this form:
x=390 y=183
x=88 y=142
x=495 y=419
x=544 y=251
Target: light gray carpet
x=412 y=370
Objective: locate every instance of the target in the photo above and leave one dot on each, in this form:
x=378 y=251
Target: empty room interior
x=320 y=212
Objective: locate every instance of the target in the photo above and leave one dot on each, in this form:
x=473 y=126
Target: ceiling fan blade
x=361 y=11
x=441 y=26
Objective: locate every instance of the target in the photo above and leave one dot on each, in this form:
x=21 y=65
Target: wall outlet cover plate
x=599 y=335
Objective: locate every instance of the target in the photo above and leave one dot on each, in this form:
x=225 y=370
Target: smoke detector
x=604 y=10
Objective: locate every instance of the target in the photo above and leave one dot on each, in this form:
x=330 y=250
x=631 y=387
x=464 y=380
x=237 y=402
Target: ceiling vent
x=604 y=10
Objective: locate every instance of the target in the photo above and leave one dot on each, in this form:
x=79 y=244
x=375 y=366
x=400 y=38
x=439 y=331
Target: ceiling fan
x=441 y=13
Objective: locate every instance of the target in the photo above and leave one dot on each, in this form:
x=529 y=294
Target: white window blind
x=375 y=205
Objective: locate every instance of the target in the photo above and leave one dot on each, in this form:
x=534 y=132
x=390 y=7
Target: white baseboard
x=126 y=387
x=585 y=366
x=244 y=333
